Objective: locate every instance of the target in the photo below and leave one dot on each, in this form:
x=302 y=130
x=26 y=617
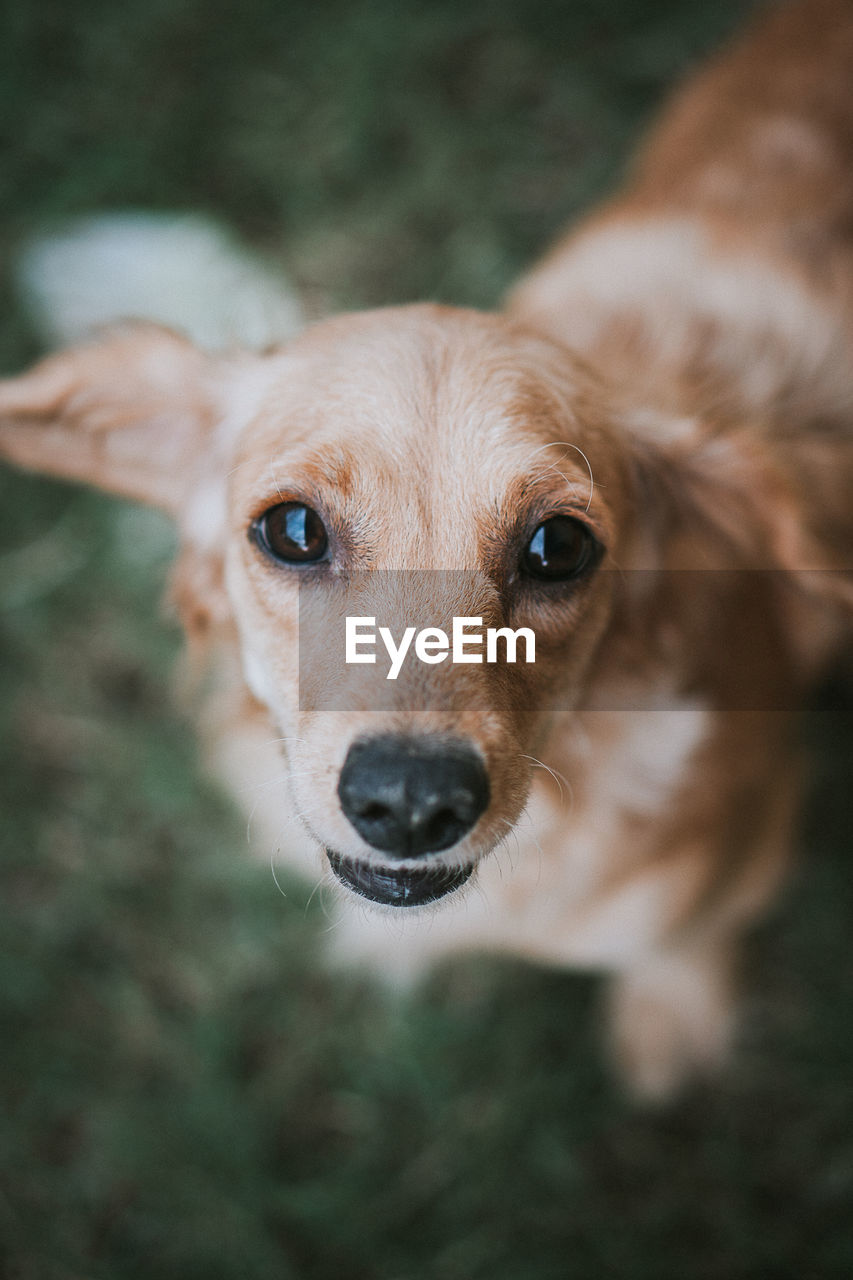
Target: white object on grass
x=179 y=270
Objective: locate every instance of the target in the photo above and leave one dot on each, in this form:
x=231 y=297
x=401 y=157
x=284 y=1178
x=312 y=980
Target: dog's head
x=411 y=466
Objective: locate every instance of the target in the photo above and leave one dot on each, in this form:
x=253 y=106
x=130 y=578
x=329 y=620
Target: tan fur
x=692 y=346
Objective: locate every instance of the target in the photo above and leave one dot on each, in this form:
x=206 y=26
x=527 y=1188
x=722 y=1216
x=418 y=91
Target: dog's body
x=670 y=397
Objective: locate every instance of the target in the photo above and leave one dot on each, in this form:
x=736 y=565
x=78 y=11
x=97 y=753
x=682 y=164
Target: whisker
x=567 y=445
x=558 y=777
x=556 y=471
x=539 y=765
x=321 y=880
x=274 y=876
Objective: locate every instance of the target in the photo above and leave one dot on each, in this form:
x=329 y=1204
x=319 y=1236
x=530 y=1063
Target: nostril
x=440 y=825
x=375 y=812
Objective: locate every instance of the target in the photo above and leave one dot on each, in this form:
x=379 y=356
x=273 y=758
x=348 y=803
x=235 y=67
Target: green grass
x=183 y=1091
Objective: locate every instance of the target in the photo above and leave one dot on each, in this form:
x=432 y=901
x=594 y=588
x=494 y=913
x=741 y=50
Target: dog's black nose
x=412 y=796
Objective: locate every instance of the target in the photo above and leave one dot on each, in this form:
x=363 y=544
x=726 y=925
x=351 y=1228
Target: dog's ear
x=723 y=501
x=128 y=413
x=708 y=507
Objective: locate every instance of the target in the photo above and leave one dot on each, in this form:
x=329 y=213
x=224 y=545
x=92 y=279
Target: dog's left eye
x=291 y=533
x=561 y=549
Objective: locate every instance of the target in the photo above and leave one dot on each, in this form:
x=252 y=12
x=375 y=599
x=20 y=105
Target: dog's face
x=410 y=465
x=416 y=466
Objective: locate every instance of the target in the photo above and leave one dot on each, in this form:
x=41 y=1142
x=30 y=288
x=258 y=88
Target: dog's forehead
x=427 y=434
x=409 y=386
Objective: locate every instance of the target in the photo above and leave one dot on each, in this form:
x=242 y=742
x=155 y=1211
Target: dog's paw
x=671 y=1022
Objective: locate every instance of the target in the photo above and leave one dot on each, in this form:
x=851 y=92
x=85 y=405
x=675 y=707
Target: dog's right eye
x=291 y=533
x=561 y=550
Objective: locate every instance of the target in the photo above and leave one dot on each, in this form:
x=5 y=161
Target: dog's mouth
x=397 y=886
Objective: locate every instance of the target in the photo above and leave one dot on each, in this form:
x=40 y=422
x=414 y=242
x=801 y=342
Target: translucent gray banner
x=427 y=640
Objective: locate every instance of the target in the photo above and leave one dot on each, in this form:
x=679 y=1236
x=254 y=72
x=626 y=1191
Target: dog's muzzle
x=409 y=798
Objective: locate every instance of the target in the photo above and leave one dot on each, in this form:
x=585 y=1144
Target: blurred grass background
x=184 y=1092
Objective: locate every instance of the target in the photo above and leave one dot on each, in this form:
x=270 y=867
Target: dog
x=645 y=461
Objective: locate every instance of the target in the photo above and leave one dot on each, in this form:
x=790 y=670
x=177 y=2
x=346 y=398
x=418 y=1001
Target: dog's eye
x=560 y=549
x=291 y=533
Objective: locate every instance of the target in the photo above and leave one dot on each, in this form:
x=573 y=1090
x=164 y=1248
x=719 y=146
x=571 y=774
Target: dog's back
x=720 y=280
x=760 y=144
x=758 y=148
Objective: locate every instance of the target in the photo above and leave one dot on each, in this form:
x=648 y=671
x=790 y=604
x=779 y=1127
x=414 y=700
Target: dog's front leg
x=671 y=1017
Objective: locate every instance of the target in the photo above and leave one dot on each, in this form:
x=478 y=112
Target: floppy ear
x=724 y=501
x=126 y=413
x=737 y=505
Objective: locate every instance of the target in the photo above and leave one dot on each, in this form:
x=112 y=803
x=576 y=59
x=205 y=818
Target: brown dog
x=646 y=461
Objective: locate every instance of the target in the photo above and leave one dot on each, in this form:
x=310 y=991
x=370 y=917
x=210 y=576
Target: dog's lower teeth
x=397 y=887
